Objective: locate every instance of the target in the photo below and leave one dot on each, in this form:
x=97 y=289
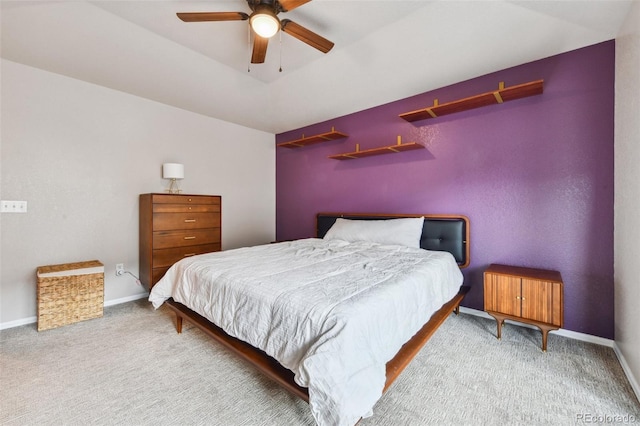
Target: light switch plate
x=7 y=206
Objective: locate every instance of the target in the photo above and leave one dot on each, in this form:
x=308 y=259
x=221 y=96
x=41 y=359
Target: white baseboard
x=627 y=371
x=31 y=320
x=561 y=332
x=18 y=323
x=126 y=299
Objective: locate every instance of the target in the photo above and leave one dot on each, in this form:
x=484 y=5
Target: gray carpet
x=131 y=368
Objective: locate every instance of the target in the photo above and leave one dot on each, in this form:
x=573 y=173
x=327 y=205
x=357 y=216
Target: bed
x=333 y=319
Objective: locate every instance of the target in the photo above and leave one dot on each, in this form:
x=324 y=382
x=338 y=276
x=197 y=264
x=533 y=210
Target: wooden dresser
x=173 y=227
x=528 y=295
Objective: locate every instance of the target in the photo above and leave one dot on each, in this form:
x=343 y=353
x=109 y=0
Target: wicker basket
x=69 y=293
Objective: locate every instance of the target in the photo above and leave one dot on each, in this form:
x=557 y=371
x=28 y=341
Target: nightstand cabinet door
x=541 y=301
x=175 y=226
x=502 y=294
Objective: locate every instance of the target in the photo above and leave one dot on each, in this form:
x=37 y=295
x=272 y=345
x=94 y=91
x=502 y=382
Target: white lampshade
x=265 y=24
x=173 y=171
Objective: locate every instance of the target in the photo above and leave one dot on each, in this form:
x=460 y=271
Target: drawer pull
x=189 y=221
x=189 y=238
x=189 y=254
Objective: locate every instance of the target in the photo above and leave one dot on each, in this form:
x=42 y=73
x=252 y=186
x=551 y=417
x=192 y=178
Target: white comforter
x=332 y=312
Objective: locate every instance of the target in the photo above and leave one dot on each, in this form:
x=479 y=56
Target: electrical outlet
x=119 y=269
x=7 y=206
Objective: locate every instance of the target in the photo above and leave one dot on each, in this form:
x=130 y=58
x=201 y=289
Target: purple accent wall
x=534 y=176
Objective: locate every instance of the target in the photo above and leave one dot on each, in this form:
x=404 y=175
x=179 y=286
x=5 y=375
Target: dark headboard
x=440 y=232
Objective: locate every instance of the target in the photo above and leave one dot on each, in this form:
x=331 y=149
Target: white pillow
x=404 y=231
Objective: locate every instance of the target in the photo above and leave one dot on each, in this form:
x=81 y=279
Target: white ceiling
x=384 y=50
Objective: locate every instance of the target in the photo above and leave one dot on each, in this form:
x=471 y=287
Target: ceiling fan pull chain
x=249 y=48
x=280 y=51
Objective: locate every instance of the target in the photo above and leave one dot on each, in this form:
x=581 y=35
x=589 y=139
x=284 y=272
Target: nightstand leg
x=499 y=323
x=545 y=333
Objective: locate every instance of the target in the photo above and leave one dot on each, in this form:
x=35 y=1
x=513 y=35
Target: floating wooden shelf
x=503 y=94
x=399 y=147
x=310 y=140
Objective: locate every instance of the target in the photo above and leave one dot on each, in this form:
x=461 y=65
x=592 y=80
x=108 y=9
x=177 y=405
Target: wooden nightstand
x=528 y=295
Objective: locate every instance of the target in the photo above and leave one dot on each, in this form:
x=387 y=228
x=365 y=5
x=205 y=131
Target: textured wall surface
x=627 y=196
x=535 y=175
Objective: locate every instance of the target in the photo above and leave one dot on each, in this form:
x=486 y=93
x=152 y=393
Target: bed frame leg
x=457 y=310
x=178 y=324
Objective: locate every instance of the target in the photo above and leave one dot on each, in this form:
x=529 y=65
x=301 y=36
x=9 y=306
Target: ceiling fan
x=265 y=24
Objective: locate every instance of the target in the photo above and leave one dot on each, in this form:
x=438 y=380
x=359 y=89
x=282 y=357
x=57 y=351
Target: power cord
x=119 y=273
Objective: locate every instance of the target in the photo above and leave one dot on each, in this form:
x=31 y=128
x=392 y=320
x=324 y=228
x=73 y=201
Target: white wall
x=627 y=197
x=80 y=155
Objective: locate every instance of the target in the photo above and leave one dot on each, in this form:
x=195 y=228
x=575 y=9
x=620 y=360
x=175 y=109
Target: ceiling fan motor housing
x=274 y=5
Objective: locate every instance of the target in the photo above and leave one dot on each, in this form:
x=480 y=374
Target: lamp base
x=173 y=188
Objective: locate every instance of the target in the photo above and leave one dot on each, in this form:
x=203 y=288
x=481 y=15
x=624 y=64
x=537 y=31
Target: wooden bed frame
x=284 y=377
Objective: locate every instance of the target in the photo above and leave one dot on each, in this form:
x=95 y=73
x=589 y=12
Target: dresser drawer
x=169 y=256
x=169 y=239
x=184 y=199
x=186 y=208
x=173 y=221
x=157 y=273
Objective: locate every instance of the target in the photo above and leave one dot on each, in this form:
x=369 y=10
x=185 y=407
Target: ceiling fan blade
x=259 y=49
x=307 y=36
x=288 y=5
x=212 y=16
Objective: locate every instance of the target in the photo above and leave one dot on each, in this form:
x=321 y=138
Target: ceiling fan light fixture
x=264 y=23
